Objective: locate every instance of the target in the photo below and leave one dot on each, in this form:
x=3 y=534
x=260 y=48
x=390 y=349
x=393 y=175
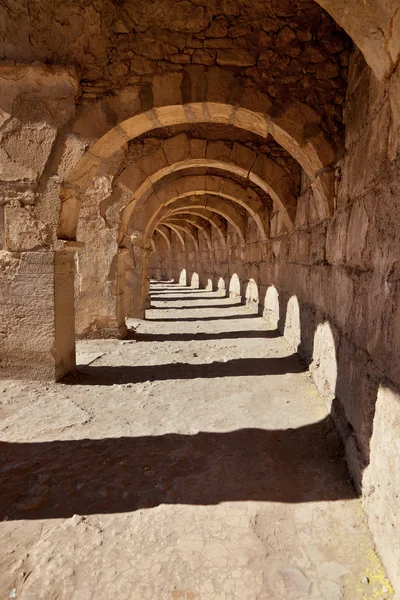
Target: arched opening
x=194 y=281
x=182 y=277
x=235 y=287
x=222 y=160
x=292 y=328
x=271 y=306
x=252 y=296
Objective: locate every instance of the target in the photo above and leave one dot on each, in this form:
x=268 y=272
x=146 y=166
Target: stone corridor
x=200 y=299
x=193 y=460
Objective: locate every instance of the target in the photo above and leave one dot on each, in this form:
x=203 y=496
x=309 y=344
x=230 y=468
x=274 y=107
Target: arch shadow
x=105 y=476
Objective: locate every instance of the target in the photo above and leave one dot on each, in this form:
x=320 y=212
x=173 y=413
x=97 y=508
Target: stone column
x=138 y=283
x=100 y=305
x=37 y=321
x=120 y=309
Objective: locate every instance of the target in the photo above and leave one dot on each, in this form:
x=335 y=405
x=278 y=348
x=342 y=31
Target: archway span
x=296 y=128
x=372 y=27
x=185 y=228
x=164 y=234
x=218 y=224
x=220 y=206
x=160 y=242
x=264 y=173
x=148 y=210
x=177 y=233
x=200 y=224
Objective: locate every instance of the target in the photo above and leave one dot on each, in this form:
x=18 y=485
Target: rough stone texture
x=98 y=285
x=296 y=50
x=293 y=204
x=37 y=101
x=337 y=298
x=196 y=460
x=36 y=290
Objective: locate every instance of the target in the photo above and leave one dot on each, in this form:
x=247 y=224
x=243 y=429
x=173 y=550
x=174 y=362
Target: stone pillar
x=100 y=303
x=120 y=308
x=37 y=322
x=138 y=283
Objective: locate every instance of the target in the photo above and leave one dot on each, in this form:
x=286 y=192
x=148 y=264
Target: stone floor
x=194 y=460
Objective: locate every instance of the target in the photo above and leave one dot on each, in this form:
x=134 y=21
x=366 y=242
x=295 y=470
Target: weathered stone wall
x=37 y=332
x=97 y=285
x=77 y=160
x=333 y=289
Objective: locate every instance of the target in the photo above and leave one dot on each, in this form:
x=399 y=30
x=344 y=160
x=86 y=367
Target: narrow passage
x=194 y=460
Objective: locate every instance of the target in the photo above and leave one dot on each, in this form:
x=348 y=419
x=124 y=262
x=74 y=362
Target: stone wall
x=332 y=287
x=248 y=99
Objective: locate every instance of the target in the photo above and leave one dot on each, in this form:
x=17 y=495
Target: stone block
x=198 y=148
x=132 y=177
x=38 y=333
x=381 y=480
x=301 y=219
x=23 y=231
x=317 y=246
x=166 y=88
x=177 y=148
x=336 y=236
x=110 y=142
x=299 y=247
x=356 y=234
x=394 y=99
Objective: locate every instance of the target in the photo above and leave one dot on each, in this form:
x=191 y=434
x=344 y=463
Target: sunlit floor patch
x=201 y=465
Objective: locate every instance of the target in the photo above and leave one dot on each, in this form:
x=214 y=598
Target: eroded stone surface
x=195 y=460
x=91 y=152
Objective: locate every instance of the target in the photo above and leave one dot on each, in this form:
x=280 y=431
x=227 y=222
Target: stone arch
x=182 y=277
x=296 y=128
x=195 y=281
x=221 y=285
x=195 y=222
x=161 y=244
x=164 y=234
x=178 y=154
x=178 y=235
x=372 y=27
x=148 y=209
x=218 y=206
x=185 y=229
x=212 y=218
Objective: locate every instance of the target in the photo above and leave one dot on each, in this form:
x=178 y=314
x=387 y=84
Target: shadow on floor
x=193 y=307
x=189 y=337
x=193 y=319
x=62 y=478
x=187 y=291
x=239 y=367
x=196 y=299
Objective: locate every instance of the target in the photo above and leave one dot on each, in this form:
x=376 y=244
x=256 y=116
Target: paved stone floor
x=194 y=460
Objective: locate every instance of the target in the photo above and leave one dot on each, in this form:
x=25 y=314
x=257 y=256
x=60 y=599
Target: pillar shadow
x=194 y=306
x=194 y=319
x=189 y=299
x=188 y=337
x=240 y=367
x=59 y=479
